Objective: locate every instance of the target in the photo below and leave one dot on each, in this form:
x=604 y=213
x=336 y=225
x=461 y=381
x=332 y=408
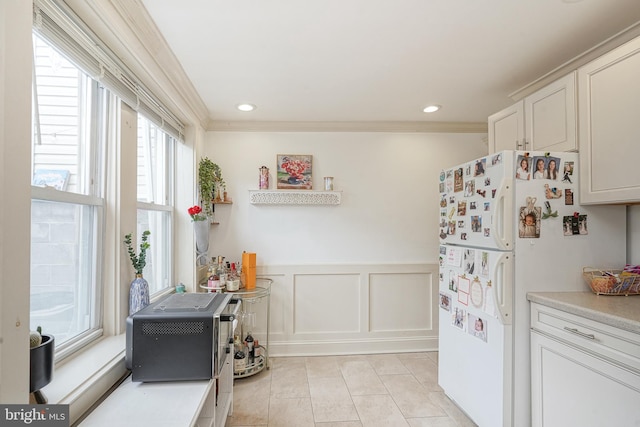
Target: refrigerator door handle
x=502 y=294
x=501 y=224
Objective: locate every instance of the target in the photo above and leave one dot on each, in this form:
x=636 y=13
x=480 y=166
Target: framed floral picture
x=294 y=172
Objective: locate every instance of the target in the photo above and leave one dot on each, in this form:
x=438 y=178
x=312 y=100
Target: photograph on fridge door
x=459 y=318
x=476 y=223
x=575 y=224
x=462 y=208
x=529 y=221
x=458 y=180
x=484 y=264
x=479 y=167
x=524 y=171
x=469 y=261
x=478 y=327
x=445 y=301
x=453 y=281
x=551 y=171
x=496 y=159
x=469 y=188
x=567 y=172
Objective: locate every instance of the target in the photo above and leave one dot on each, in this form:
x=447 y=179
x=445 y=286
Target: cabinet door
x=506 y=129
x=609 y=126
x=550 y=116
x=571 y=387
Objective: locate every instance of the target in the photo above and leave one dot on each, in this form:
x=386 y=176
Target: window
x=67 y=207
x=155 y=201
x=79 y=89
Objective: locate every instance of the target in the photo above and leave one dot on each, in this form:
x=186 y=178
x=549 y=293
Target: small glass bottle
x=250 y=347
x=233 y=275
x=222 y=271
x=239 y=357
x=257 y=350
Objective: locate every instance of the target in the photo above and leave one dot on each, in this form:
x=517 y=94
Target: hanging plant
x=209 y=176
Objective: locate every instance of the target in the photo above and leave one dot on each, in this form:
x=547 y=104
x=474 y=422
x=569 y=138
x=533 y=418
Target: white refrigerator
x=510 y=223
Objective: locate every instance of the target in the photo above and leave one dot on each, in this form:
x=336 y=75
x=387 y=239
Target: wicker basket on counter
x=612 y=281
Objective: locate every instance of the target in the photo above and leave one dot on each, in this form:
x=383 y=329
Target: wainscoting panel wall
x=326 y=304
x=349 y=309
x=408 y=294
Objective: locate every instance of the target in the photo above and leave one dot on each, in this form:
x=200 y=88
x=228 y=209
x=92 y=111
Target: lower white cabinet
x=577 y=378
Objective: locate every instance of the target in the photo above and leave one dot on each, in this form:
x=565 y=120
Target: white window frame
x=161 y=253
x=93 y=105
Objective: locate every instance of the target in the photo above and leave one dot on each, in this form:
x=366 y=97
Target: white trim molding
x=381 y=126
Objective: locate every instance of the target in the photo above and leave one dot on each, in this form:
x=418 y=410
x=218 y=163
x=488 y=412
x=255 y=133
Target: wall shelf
x=292 y=197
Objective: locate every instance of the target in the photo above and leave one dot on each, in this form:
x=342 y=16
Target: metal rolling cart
x=247 y=320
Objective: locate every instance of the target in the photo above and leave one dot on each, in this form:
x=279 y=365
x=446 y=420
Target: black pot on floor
x=41 y=366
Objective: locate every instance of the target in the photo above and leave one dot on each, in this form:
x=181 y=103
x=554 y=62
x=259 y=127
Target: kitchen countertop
x=613 y=310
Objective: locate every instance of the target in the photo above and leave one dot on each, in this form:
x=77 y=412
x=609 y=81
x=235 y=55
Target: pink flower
x=294 y=168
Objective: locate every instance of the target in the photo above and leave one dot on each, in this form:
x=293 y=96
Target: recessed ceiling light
x=431 y=109
x=246 y=107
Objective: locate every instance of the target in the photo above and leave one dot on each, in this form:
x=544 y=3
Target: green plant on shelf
x=209 y=179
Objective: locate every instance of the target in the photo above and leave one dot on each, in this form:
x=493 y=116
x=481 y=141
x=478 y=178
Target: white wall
x=633 y=234
x=360 y=277
x=389 y=183
x=15 y=198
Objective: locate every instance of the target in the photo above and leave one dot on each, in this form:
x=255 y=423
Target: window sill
x=82 y=379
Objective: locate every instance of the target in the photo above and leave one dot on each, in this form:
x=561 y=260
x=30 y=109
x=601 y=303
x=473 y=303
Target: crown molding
x=413 y=127
x=126 y=27
x=572 y=65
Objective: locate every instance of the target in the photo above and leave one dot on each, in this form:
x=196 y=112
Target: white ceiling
x=377 y=60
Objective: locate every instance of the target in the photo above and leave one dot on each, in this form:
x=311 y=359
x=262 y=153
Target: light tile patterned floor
x=391 y=390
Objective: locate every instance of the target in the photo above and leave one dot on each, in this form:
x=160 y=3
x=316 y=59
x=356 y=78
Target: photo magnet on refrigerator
x=567 y=172
x=552 y=192
x=568 y=197
x=575 y=224
x=530 y=215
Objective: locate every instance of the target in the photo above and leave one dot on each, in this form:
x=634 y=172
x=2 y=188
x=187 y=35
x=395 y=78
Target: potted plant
x=40 y=363
x=139 y=289
x=209 y=179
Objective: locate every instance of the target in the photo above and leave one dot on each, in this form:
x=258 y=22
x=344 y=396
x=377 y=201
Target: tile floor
x=391 y=390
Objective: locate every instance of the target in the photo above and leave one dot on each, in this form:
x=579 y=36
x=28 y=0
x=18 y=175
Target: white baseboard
x=370 y=346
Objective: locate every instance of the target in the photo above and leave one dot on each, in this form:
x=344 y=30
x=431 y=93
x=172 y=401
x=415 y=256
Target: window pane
x=153 y=163
x=155 y=175
x=63 y=276
x=158 y=268
x=61 y=122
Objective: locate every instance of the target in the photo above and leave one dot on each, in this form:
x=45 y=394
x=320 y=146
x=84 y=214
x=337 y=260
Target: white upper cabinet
x=506 y=129
x=543 y=121
x=609 y=130
x=550 y=116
